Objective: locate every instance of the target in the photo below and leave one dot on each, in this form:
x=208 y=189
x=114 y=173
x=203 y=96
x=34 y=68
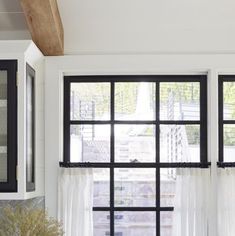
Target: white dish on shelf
x=3 y=149
x=3 y=103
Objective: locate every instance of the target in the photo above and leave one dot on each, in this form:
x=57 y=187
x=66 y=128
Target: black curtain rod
x=225 y=164
x=135 y=165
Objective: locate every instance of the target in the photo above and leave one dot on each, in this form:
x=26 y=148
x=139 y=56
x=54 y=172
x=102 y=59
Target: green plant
x=21 y=221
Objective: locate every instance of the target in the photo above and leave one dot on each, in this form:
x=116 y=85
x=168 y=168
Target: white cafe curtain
x=191 y=213
x=75 y=201
x=226 y=202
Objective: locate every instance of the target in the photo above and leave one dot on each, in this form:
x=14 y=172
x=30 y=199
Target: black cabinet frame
x=11 y=67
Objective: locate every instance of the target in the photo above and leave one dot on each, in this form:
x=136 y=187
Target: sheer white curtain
x=191 y=213
x=226 y=202
x=75 y=201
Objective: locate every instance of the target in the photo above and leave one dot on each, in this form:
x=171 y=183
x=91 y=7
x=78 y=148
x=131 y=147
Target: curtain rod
x=135 y=165
x=225 y=164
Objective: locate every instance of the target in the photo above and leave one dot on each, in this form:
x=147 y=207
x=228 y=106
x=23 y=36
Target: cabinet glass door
x=8 y=125
x=30 y=115
x=3 y=126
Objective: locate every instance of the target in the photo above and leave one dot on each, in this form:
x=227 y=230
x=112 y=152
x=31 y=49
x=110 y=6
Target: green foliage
x=229 y=132
x=184 y=92
x=193 y=134
x=229 y=99
x=125 y=97
x=20 y=221
x=229 y=95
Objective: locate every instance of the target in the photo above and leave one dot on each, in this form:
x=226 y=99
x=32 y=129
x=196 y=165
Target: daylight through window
x=135 y=131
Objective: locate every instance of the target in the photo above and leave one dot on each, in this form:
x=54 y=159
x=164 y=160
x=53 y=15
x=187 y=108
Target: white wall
x=148 y=26
x=56 y=67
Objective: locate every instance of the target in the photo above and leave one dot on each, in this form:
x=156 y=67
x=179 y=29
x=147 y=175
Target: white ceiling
x=12 y=21
x=135 y=26
x=148 y=26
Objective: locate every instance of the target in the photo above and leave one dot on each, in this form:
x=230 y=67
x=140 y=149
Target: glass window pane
x=30 y=115
x=179 y=143
x=229 y=100
x=101 y=187
x=180 y=101
x=229 y=143
x=3 y=126
x=167 y=223
x=135 y=223
x=135 y=101
x=90 y=143
x=101 y=223
x=134 y=187
x=90 y=101
x=168 y=187
x=134 y=143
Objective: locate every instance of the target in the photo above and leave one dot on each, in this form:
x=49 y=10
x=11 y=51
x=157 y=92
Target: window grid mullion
x=112 y=158
x=136 y=122
x=203 y=121
x=157 y=151
x=221 y=120
x=67 y=87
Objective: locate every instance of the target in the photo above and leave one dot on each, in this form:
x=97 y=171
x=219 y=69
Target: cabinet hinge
x=17 y=78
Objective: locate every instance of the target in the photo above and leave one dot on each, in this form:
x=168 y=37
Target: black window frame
x=157 y=165
x=222 y=121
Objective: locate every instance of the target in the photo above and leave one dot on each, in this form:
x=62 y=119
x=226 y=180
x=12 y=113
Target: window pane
x=135 y=187
x=229 y=100
x=168 y=187
x=180 y=143
x=229 y=143
x=135 y=223
x=135 y=101
x=134 y=143
x=180 y=101
x=90 y=101
x=167 y=223
x=101 y=223
x=3 y=126
x=101 y=187
x=30 y=127
x=89 y=143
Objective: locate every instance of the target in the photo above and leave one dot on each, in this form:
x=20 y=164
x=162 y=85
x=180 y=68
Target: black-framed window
x=226 y=120
x=134 y=131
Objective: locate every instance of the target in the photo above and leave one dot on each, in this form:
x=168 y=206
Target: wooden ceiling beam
x=45 y=25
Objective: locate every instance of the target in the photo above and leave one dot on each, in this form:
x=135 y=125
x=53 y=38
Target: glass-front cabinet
x=8 y=125
x=22 y=167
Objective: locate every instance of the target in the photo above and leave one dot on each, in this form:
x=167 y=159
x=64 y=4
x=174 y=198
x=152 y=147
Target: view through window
x=226 y=118
x=135 y=131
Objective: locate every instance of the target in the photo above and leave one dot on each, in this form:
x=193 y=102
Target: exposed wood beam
x=45 y=25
